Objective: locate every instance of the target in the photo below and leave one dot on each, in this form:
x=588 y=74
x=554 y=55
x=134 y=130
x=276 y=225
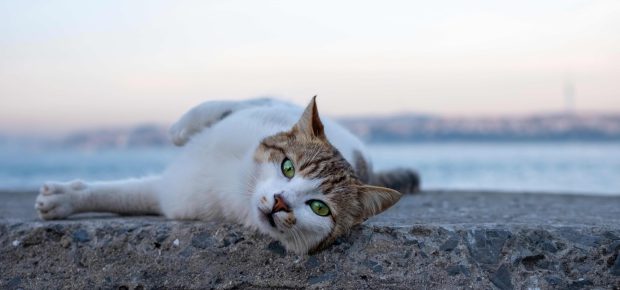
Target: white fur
x=215 y=176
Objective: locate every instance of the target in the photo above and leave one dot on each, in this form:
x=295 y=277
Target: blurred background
x=475 y=95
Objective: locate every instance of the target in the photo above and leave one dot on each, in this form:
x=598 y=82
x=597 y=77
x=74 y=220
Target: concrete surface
x=432 y=240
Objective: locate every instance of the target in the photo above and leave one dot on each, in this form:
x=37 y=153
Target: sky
x=67 y=65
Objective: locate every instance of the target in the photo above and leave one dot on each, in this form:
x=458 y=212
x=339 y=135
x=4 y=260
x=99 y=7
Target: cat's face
x=306 y=194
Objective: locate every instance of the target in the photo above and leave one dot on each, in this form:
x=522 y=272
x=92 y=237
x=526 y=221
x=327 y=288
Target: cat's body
x=235 y=165
x=230 y=145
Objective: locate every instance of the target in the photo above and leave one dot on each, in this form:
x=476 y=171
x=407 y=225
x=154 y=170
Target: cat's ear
x=376 y=199
x=310 y=124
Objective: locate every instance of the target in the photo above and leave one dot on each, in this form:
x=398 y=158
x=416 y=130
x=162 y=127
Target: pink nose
x=280 y=204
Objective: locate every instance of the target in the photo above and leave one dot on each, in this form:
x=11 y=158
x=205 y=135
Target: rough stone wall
x=145 y=253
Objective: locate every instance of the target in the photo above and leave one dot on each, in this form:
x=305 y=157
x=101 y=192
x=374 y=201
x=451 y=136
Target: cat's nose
x=280 y=204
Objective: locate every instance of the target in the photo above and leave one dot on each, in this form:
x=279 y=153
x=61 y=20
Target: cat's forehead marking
x=273 y=146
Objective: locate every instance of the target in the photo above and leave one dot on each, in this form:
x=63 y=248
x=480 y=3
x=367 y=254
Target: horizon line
x=99 y=126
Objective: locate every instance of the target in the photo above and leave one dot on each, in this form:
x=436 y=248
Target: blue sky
x=66 y=65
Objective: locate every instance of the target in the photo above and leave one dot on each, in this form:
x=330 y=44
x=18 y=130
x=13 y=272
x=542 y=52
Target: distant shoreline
x=403 y=128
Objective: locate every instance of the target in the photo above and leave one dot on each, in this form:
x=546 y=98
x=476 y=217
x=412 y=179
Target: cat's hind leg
x=58 y=200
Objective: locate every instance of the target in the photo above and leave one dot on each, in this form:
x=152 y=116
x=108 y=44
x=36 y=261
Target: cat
x=266 y=164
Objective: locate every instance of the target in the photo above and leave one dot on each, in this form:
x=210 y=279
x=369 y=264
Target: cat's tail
x=402 y=179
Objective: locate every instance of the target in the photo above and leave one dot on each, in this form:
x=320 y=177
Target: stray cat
x=266 y=164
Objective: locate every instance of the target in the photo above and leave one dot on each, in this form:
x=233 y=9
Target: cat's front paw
x=180 y=133
x=200 y=117
x=56 y=199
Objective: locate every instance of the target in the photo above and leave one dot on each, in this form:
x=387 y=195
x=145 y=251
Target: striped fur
x=350 y=200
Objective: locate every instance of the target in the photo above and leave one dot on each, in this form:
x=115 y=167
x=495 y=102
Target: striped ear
x=376 y=199
x=310 y=124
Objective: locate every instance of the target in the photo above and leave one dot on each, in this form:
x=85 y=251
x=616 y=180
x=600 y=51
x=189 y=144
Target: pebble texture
x=428 y=251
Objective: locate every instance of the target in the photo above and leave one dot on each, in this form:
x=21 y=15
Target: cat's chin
x=274 y=229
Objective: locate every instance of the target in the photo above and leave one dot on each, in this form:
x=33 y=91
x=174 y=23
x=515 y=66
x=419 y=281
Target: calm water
x=591 y=168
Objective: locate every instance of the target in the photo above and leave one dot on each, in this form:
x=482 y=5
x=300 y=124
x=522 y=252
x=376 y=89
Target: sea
x=591 y=168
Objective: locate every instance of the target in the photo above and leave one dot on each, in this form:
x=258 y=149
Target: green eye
x=287 y=168
x=319 y=207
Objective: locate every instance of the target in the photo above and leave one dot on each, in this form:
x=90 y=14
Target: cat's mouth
x=270 y=219
x=280 y=205
x=278 y=214
x=267 y=217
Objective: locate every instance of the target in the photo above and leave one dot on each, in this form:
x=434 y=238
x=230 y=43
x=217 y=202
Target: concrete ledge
x=432 y=240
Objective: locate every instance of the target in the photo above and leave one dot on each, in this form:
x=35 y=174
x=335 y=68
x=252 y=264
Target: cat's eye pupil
x=319 y=208
x=287 y=168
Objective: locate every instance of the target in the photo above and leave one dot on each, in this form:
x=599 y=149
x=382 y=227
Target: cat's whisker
x=295 y=237
x=300 y=240
x=316 y=153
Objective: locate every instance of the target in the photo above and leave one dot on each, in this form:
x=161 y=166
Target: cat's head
x=306 y=194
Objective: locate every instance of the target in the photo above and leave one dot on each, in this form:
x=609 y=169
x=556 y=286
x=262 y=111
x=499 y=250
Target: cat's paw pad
x=55 y=200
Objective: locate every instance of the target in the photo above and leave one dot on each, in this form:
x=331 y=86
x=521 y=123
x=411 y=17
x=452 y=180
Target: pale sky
x=68 y=65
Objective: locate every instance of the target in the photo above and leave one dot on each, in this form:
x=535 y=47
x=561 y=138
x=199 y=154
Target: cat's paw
x=56 y=199
x=192 y=123
x=180 y=133
x=200 y=117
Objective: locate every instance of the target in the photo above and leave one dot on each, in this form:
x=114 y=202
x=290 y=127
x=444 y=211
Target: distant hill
x=400 y=128
x=544 y=127
x=140 y=136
